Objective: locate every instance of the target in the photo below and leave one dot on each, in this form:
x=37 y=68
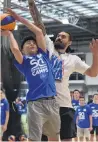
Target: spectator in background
x=4 y=112
x=22 y=110
x=83 y=120
x=75 y=100
x=90 y=100
x=94 y=107
x=75 y=104
x=11 y=138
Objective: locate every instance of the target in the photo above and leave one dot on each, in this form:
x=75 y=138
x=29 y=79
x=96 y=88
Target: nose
x=59 y=39
x=31 y=43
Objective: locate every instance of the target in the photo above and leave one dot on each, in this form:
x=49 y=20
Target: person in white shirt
x=71 y=63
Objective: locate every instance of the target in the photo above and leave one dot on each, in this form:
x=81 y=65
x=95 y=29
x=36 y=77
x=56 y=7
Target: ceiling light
x=65 y=21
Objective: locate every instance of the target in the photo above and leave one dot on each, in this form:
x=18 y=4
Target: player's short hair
x=26 y=39
x=81 y=97
x=76 y=90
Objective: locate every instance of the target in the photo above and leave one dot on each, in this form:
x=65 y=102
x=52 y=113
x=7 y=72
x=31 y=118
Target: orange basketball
x=7 y=22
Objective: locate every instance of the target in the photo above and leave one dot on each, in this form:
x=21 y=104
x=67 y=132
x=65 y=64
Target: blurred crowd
x=78 y=102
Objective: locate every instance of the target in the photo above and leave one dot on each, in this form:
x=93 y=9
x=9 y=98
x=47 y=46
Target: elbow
x=94 y=74
x=15 y=50
x=39 y=32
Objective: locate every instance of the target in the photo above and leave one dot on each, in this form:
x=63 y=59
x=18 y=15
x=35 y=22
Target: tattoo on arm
x=36 y=15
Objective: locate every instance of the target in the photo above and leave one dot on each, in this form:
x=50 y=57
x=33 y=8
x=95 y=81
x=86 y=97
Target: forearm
x=90 y=118
x=13 y=44
x=30 y=26
x=15 y=48
x=7 y=118
x=36 y=15
x=93 y=70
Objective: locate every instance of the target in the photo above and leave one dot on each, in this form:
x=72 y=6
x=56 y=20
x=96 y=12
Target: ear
x=70 y=42
x=22 y=51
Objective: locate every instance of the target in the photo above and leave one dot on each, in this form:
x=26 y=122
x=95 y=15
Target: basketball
x=7 y=22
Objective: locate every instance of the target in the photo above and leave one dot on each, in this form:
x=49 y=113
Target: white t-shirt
x=72 y=63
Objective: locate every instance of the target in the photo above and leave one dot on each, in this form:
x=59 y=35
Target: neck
x=76 y=99
x=82 y=105
x=62 y=51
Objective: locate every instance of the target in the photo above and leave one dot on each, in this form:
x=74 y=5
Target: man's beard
x=59 y=45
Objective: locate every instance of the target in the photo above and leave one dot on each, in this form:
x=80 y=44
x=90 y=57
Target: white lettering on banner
x=94 y=113
x=38 y=66
x=81 y=115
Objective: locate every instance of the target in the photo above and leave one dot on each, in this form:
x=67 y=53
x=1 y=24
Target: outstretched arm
x=93 y=70
x=37 y=31
x=38 y=21
x=36 y=15
x=13 y=46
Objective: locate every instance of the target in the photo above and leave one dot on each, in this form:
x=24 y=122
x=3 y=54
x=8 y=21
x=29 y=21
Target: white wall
x=79 y=87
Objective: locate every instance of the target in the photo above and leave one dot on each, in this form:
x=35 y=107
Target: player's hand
x=4 y=128
x=90 y=129
x=14 y=14
x=94 y=47
x=5 y=33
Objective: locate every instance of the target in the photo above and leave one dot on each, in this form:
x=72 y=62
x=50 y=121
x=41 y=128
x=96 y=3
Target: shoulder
x=78 y=108
x=72 y=57
x=72 y=100
x=88 y=107
x=91 y=104
x=5 y=101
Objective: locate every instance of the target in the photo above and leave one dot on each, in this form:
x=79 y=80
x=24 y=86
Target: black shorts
x=95 y=129
x=68 y=129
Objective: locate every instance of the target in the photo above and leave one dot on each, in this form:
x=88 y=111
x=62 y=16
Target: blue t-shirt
x=75 y=104
x=38 y=72
x=4 y=106
x=83 y=113
x=22 y=108
x=94 y=108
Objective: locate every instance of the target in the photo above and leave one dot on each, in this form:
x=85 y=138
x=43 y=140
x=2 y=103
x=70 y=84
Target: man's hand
x=94 y=47
x=4 y=127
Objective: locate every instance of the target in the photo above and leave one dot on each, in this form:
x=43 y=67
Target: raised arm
x=93 y=70
x=36 y=15
x=38 y=21
x=13 y=46
x=37 y=31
